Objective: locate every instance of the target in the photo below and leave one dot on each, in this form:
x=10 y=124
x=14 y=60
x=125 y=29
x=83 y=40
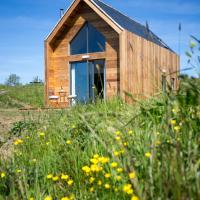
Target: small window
x=88 y=40
x=164 y=83
x=172 y=83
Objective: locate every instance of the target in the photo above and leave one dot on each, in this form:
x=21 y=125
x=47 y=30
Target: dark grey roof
x=130 y=25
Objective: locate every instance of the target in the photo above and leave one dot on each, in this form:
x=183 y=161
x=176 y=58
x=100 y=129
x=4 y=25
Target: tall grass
x=22 y=95
x=155 y=142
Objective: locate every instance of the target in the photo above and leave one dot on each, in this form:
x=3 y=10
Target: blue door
x=87 y=80
x=79 y=81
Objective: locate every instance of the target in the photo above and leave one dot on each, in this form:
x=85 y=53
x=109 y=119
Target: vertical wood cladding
x=143 y=65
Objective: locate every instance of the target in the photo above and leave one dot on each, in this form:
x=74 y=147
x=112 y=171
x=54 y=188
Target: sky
x=24 y=25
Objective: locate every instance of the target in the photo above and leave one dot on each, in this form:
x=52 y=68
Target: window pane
x=79 y=44
x=96 y=41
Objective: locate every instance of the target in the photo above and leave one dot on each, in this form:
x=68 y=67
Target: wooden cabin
x=96 y=51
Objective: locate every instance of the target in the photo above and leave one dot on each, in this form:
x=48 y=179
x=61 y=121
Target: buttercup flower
x=114 y=164
x=148 y=154
x=55 y=178
x=132 y=175
x=119 y=170
x=68 y=142
x=65 y=198
x=49 y=176
x=107 y=186
x=2 y=174
x=128 y=189
x=134 y=198
x=91 y=179
x=86 y=169
x=48 y=198
x=70 y=182
x=107 y=175
x=64 y=177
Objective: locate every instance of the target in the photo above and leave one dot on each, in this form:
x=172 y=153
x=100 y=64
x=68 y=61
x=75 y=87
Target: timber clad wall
x=133 y=64
x=59 y=57
x=144 y=64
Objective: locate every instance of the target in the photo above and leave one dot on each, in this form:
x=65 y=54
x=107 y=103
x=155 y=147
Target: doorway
x=87 y=80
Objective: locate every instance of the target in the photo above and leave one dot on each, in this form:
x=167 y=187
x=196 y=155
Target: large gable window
x=88 y=40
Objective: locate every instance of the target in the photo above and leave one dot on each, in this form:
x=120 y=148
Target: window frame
x=87 y=24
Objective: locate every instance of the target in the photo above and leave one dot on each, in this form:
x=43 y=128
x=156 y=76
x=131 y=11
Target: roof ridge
x=120 y=12
x=152 y=34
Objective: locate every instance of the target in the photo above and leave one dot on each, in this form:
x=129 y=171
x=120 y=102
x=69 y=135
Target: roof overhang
x=94 y=7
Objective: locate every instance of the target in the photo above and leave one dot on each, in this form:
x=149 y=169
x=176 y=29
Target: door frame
x=87 y=61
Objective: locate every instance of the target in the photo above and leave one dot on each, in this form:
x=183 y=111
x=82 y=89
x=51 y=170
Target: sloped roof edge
x=85 y=2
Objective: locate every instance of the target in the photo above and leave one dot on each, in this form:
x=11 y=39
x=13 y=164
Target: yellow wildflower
x=104 y=160
x=114 y=164
x=173 y=121
x=48 y=198
x=118 y=138
x=116 y=153
x=34 y=160
x=177 y=128
x=91 y=180
x=86 y=169
x=99 y=182
x=68 y=142
x=134 y=197
x=55 y=178
x=128 y=189
x=122 y=151
x=70 y=182
x=119 y=170
x=92 y=189
x=132 y=175
x=117 y=132
x=72 y=196
x=49 y=176
x=116 y=189
x=18 y=170
x=65 y=198
x=17 y=142
x=130 y=132
x=47 y=143
x=96 y=156
x=94 y=160
x=3 y=174
x=118 y=178
x=148 y=154
x=107 y=186
x=31 y=198
x=64 y=177
x=42 y=134
x=107 y=175
x=125 y=144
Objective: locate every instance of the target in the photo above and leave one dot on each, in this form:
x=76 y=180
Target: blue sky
x=24 y=24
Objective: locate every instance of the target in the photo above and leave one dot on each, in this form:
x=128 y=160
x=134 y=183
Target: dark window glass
x=164 y=83
x=79 y=43
x=88 y=40
x=96 y=41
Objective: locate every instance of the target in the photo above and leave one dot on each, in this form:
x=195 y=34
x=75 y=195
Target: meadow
x=108 y=150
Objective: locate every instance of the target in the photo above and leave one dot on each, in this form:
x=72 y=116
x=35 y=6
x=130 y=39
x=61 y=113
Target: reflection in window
x=79 y=43
x=88 y=40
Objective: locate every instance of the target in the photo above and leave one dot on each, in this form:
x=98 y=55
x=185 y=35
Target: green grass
x=155 y=140
x=21 y=96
